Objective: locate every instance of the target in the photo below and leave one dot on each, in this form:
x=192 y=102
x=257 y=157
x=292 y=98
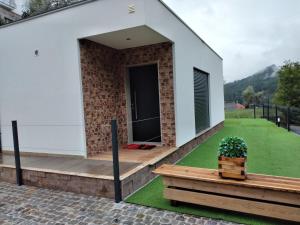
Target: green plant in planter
x=233 y=147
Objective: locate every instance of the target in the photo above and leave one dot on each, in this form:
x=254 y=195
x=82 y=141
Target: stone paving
x=26 y=205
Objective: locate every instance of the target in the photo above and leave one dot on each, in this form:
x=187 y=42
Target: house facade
x=77 y=68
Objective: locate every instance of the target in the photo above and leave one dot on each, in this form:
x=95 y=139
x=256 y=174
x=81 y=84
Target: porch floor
x=145 y=157
x=100 y=166
x=67 y=165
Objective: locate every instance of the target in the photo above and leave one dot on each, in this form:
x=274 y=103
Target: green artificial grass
x=272 y=151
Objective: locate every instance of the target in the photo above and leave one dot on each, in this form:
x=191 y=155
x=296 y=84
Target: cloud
x=248 y=34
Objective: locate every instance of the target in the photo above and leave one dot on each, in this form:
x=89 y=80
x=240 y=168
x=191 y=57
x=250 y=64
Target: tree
x=288 y=91
x=259 y=97
x=248 y=95
x=35 y=7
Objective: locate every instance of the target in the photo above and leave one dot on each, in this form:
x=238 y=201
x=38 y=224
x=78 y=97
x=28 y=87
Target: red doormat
x=139 y=146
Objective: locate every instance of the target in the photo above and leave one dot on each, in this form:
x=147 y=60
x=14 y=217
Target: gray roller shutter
x=201 y=94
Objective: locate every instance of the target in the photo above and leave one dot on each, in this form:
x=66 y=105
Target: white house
x=66 y=73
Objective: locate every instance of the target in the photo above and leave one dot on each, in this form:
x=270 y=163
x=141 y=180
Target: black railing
x=19 y=179
x=115 y=153
x=282 y=116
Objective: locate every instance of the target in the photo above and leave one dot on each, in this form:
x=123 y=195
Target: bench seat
x=271 y=196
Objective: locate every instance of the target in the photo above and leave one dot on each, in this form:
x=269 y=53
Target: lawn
x=272 y=151
x=243 y=113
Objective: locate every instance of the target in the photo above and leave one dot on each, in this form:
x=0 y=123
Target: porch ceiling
x=129 y=38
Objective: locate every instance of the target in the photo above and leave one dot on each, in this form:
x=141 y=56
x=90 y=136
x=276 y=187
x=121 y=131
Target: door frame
x=128 y=102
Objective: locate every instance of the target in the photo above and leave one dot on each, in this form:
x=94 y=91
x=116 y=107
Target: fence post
x=17 y=153
x=115 y=152
x=263 y=106
x=276 y=116
x=254 y=111
x=268 y=112
x=288 y=118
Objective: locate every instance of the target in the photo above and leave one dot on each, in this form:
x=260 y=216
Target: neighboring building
x=65 y=74
x=233 y=106
x=6 y=11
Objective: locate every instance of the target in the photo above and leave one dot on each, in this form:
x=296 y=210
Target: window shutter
x=201 y=98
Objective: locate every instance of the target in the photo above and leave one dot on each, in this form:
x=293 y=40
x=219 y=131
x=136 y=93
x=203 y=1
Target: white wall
x=44 y=93
x=189 y=52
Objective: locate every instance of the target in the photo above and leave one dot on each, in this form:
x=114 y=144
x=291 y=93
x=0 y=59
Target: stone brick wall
x=100 y=86
x=63 y=182
x=103 y=72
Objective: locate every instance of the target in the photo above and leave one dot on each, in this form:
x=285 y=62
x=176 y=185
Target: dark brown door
x=145 y=110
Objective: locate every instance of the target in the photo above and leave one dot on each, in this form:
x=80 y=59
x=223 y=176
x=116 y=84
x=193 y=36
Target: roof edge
x=47 y=13
x=187 y=26
x=89 y=1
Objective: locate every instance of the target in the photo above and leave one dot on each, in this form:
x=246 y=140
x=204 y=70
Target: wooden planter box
x=234 y=168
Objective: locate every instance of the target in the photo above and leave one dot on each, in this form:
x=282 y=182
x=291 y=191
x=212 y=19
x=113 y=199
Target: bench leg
x=174 y=203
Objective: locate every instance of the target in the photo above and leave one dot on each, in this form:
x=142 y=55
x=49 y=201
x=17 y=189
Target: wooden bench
x=271 y=196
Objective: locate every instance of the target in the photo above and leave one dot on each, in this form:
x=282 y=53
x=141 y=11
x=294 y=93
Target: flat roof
x=89 y=1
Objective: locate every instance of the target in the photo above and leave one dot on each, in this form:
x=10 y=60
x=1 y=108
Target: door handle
x=135 y=106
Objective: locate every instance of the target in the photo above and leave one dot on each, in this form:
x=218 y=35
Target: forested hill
x=264 y=80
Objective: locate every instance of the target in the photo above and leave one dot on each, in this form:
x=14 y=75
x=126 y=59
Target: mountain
x=263 y=80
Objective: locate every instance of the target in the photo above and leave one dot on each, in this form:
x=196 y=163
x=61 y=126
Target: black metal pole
x=288 y=118
x=268 y=111
x=276 y=115
x=263 y=106
x=0 y=141
x=17 y=153
x=115 y=152
x=254 y=111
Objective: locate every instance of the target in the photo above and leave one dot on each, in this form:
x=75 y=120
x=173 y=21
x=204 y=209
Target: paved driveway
x=295 y=129
x=29 y=206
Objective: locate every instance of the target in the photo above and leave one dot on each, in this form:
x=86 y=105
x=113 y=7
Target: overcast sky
x=248 y=34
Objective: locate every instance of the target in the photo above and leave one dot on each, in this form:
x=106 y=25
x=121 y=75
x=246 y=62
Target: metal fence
x=283 y=116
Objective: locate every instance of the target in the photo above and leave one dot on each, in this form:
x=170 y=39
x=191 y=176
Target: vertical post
x=276 y=115
x=288 y=119
x=17 y=153
x=115 y=152
x=268 y=112
x=263 y=106
x=254 y=111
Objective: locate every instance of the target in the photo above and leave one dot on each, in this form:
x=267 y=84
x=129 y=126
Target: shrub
x=233 y=147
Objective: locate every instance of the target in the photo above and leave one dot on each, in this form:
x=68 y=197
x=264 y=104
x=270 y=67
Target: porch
x=93 y=176
x=127 y=75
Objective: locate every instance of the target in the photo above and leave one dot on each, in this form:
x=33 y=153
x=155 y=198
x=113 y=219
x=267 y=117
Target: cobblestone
x=26 y=205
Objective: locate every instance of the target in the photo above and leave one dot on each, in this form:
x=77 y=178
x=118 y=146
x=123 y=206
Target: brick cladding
x=103 y=72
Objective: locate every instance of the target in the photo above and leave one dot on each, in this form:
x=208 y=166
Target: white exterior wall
x=44 y=93
x=189 y=52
